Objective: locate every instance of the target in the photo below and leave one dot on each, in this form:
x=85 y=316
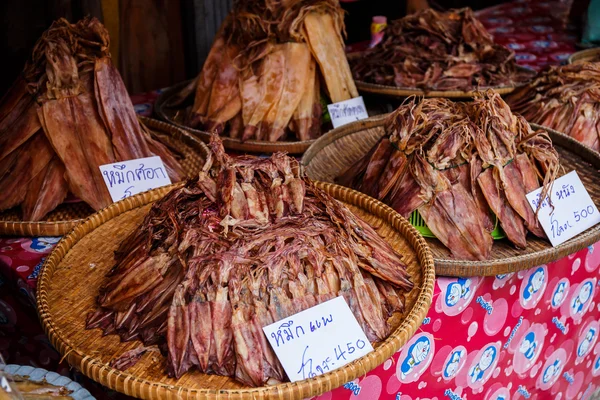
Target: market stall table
x=531 y=334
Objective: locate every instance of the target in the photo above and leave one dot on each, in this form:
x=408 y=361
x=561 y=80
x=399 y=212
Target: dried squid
x=248 y=243
x=67 y=114
x=455 y=163
x=431 y=50
x=261 y=79
x=566 y=99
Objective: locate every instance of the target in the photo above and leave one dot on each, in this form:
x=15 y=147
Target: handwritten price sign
x=347 y=111
x=574 y=210
x=126 y=178
x=317 y=340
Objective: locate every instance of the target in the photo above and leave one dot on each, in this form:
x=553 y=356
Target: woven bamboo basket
x=333 y=153
x=402 y=92
x=587 y=55
x=67 y=215
x=69 y=281
x=176 y=115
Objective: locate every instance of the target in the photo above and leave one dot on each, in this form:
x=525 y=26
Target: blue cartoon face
x=579 y=302
x=586 y=343
x=452 y=366
x=551 y=371
x=487 y=359
x=597 y=363
x=43 y=244
x=528 y=345
x=461 y=289
x=534 y=284
x=559 y=294
x=417 y=353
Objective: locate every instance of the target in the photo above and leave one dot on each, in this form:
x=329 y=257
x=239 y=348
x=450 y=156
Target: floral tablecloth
x=529 y=335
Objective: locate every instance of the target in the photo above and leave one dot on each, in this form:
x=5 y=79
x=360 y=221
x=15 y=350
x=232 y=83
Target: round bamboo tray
x=333 y=153
x=587 y=55
x=69 y=214
x=65 y=297
x=175 y=116
x=402 y=92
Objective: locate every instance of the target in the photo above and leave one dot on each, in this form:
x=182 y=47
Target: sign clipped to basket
x=127 y=178
x=318 y=340
x=574 y=211
x=347 y=111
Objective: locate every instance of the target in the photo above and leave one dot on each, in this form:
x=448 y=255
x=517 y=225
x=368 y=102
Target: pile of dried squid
x=67 y=114
x=456 y=162
x=248 y=243
x=263 y=76
x=566 y=99
x=433 y=50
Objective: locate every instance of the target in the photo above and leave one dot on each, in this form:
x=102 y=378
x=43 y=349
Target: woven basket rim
x=253 y=146
x=57 y=228
x=320 y=384
x=583 y=55
x=397 y=91
x=453 y=267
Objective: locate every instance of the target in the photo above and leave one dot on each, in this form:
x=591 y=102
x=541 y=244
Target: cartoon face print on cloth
x=587 y=339
x=581 y=298
x=415 y=357
x=40 y=244
x=528 y=346
x=501 y=280
x=456 y=294
x=596 y=366
x=560 y=293
x=454 y=362
x=532 y=287
x=499 y=394
x=551 y=369
x=483 y=365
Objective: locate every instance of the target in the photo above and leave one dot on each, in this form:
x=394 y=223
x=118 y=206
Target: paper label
x=317 y=340
x=126 y=178
x=574 y=211
x=347 y=111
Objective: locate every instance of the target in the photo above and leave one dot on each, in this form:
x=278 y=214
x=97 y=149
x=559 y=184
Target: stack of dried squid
x=456 y=162
x=431 y=50
x=68 y=113
x=260 y=80
x=566 y=99
x=248 y=243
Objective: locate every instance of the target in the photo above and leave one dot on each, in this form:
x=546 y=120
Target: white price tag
x=126 y=178
x=574 y=211
x=347 y=111
x=317 y=340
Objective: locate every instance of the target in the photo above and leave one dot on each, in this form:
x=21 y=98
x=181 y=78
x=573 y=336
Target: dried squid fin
x=306 y=120
x=77 y=135
x=510 y=221
x=297 y=68
x=28 y=161
x=18 y=118
x=327 y=47
x=207 y=77
x=270 y=83
x=45 y=192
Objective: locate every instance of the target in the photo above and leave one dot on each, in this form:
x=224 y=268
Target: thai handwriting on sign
x=287 y=332
x=317 y=363
x=347 y=111
x=118 y=176
x=572 y=212
x=127 y=178
x=319 y=339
